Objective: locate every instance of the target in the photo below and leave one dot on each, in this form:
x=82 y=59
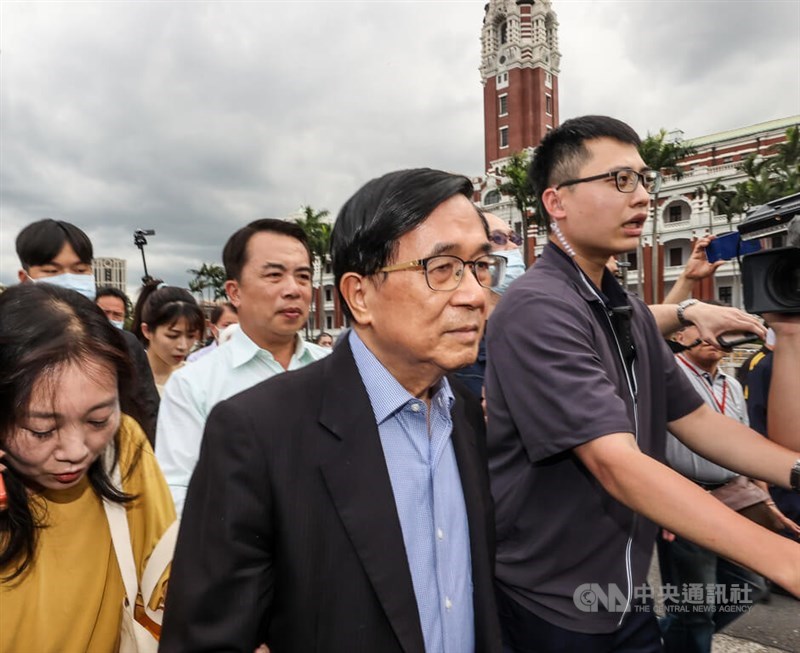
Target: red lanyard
x=720 y=405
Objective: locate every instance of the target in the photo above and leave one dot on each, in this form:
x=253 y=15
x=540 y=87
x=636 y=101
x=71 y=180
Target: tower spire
x=519 y=71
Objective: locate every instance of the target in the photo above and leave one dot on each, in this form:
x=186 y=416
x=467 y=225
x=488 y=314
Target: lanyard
x=700 y=375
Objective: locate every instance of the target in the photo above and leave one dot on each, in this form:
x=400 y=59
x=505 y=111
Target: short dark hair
x=41 y=241
x=321 y=335
x=110 y=291
x=367 y=229
x=44 y=328
x=160 y=304
x=234 y=254
x=562 y=151
x=219 y=309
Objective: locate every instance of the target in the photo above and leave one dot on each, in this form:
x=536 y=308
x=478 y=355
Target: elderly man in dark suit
x=345 y=507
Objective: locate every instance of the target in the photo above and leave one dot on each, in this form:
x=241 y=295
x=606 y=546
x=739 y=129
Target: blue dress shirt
x=430 y=501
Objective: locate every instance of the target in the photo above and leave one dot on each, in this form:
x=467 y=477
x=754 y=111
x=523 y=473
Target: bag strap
x=159 y=559
x=121 y=539
x=158 y=562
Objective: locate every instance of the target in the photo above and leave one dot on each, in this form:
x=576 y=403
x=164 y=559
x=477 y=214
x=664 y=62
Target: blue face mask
x=119 y=324
x=82 y=283
x=515 y=268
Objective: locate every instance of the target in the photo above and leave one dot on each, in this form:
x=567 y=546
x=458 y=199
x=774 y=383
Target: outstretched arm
x=711 y=321
x=667 y=498
x=783 y=408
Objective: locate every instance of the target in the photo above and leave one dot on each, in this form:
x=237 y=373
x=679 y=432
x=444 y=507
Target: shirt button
x=440 y=533
x=447 y=602
x=415 y=408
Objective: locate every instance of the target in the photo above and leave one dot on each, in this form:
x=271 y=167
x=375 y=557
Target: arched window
x=492 y=197
x=503 y=33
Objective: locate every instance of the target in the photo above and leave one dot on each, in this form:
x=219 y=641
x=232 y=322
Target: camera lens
x=783 y=279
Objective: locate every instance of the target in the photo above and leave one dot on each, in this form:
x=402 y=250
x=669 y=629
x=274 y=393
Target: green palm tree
x=662 y=154
x=318 y=233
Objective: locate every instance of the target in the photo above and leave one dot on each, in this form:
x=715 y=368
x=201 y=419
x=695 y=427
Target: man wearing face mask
x=59 y=253
x=114 y=303
x=505 y=243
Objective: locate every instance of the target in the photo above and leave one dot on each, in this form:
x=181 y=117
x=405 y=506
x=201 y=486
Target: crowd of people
x=356 y=496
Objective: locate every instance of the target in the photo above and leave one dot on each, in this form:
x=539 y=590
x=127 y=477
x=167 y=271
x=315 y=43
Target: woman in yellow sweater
x=63 y=438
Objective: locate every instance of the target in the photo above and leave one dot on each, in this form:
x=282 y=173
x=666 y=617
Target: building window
x=725 y=294
x=503 y=33
x=501 y=81
x=503 y=137
x=632 y=259
x=675 y=213
x=328 y=294
x=675 y=256
x=492 y=197
x=548 y=105
x=328 y=322
x=328 y=269
x=548 y=80
x=503 y=105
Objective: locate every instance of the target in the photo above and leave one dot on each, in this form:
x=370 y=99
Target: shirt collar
x=385 y=392
x=611 y=293
x=243 y=349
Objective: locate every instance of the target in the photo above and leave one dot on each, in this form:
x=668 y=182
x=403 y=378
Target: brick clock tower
x=519 y=71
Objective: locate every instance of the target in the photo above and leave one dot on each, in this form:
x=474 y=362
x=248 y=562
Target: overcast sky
x=194 y=118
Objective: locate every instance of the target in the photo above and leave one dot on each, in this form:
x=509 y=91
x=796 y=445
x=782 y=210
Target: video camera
x=771 y=278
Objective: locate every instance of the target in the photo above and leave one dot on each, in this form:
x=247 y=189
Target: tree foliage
x=769 y=178
x=208 y=277
x=318 y=233
x=518 y=186
x=661 y=153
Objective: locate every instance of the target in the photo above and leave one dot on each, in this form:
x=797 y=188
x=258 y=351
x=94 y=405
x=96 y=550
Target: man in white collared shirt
x=269 y=271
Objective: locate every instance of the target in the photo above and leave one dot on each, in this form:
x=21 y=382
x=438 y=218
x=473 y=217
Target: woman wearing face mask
x=168 y=322
x=71 y=460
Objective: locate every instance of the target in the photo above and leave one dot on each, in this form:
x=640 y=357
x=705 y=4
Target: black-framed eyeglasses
x=445 y=272
x=627 y=180
x=501 y=237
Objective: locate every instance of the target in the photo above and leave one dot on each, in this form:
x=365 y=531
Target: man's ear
x=22 y=275
x=232 y=291
x=354 y=290
x=552 y=204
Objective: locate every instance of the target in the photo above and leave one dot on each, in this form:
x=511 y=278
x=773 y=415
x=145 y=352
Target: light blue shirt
x=430 y=501
x=192 y=391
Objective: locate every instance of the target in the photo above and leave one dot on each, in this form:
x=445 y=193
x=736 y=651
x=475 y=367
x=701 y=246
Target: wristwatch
x=794 y=476
x=686 y=303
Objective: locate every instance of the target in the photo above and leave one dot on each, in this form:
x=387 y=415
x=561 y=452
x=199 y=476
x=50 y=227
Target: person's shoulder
x=286 y=389
x=131 y=341
x=131 y=441
x=317 y=352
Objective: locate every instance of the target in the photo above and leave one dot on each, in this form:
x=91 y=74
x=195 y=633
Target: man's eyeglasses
x=445 y=272
x=501 y=238
x=627 y=180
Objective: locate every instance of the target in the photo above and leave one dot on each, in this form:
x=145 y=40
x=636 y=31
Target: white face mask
x=82 y=283
x=119 y=324
x=515 y=268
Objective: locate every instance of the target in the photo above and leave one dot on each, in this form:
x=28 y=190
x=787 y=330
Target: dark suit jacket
x=290 y=533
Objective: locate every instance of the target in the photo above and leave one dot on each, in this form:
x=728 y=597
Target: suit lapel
x=358 y=480
x=472 y=467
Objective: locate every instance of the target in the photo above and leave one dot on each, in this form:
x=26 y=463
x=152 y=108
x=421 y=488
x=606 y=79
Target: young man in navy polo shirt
x=581 y=390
